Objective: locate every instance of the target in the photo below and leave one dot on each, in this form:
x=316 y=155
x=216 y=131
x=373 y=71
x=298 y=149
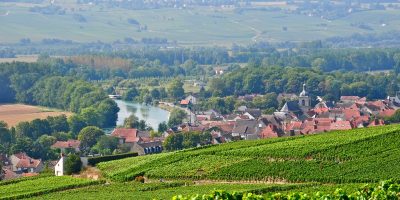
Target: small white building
x=59 y=168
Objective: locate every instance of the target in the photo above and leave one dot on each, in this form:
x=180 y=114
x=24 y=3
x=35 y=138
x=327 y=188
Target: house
x=145 y=148
x=349 y=99
x=316 y=125
x=340 y=125
x=191 y=99
x=67 y=146
x=253 y=113
x=184 y=103
x=59 y=167
x=290 y=106
x=241 y=109
x=126 y=135
x=247 y=129
x=21 y=163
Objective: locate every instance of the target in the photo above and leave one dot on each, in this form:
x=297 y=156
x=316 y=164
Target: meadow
x=192 y=26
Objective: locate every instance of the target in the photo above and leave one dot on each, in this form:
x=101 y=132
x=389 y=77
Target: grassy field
x=12 y=114
x=195 y=26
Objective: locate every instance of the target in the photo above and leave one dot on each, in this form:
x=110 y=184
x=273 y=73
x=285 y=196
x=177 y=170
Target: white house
x=59 y=168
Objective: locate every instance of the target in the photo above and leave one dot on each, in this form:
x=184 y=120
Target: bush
x=95 y=160
x=73 y=164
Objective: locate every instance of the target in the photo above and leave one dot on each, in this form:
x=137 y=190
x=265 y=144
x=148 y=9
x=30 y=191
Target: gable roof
x=340 y=125
x=256 y=113
x=291 y=106
x=26 y=162
x=129 y=134
x=245 y=127
x=66 y=144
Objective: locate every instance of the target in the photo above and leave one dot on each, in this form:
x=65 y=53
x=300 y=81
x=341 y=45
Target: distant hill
x=197 y=25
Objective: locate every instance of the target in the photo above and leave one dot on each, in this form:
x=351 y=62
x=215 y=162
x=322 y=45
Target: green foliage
x=89 y=137
x=131 y=94
x=162 y=127
x=176 y=117
x=106 y=145
x=175 y=89
x=386 y=190
x=95 y=160
x=73 y=164
x=29 y=188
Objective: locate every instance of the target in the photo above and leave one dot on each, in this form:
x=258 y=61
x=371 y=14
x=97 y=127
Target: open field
x=20 y=58
x=194 y=26
x=12 y=114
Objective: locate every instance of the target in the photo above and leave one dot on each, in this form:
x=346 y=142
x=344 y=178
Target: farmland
x=12 y=114
x=322 y=162
x=33 y=187
x=326 y=158
x=194 y=26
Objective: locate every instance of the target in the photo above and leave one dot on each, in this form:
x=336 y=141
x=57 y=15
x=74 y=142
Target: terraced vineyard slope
x=355 y=156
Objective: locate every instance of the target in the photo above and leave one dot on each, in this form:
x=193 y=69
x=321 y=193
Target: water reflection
x=151 y=114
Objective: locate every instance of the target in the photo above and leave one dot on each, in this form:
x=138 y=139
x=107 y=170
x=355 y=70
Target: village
x=296 y=117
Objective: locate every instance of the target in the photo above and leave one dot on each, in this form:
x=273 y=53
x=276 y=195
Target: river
x=151 y=114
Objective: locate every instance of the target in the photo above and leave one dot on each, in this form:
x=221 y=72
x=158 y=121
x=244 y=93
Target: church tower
x=304 y=99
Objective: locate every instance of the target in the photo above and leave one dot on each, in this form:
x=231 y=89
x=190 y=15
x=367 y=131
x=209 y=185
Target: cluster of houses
x=296 y=117
x=21 y=165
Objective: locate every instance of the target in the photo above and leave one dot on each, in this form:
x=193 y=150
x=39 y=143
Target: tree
x=176 y=117
x=131 y=122
x=162 y=127
x=76 y=124
x=73 y=164
x=106 y=145
x=89 y=137
x=108 y=109
x=173 y=142
x=92 y=117
x=58 y=123
x=175 y=89
x=5 y=134
x=131 y=94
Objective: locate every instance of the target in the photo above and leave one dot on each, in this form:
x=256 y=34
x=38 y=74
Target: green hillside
x=194 y=26
x=306 y=164
x=358 y=155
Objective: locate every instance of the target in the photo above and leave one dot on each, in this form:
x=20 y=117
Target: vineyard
x=280 y=167
x=133 y=190
x=38 y=186
x=354 y=156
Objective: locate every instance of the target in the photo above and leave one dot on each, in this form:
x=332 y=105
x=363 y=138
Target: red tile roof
x=387 y=112
x=66 y=144
x=340 y=125
x=185 y=102
x=269 y=132
x=29 y=174
x=350 y=114
x=26 y=162
x=129 y=134
x=349 y=98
